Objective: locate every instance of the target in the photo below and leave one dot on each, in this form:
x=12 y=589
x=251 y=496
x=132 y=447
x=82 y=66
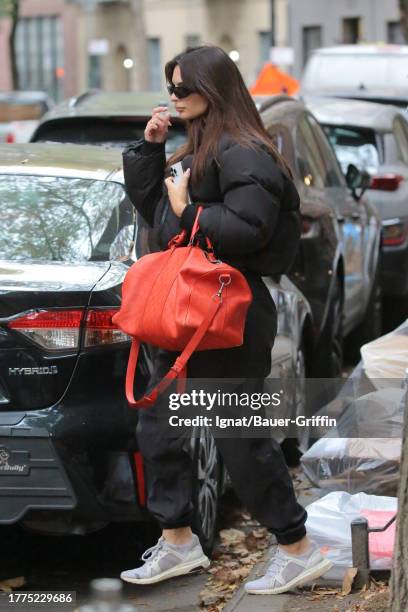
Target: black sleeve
x=143 y=170
x=252 y=185
x=187 y=217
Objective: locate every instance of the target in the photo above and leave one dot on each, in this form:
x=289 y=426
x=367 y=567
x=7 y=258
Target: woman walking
x=233 y=170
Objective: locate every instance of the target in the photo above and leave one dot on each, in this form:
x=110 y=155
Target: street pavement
x=71 y=562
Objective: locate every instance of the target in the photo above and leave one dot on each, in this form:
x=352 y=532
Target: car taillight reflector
x=386 y=182
x=60 y=329
x=394 y=234
x=51 y=329
x=99 y=328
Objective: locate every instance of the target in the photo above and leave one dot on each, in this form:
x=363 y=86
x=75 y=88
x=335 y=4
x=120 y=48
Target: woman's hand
x=158 y=126
x=178 y=194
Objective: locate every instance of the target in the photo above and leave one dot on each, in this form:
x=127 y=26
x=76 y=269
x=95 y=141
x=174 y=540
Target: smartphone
x=163 y=113
x=176 y=171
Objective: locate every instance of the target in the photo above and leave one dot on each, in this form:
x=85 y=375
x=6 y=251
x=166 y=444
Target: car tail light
x=10 y=138
x=61 y=329
x=386 y=182
x=99 y=328
x=310 y=228
x=394 y=232
x=51 y=329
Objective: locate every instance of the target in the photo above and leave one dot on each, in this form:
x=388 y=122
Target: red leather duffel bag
x=182 y=299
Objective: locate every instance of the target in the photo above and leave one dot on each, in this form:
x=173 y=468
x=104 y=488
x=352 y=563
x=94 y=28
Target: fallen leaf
x=207 y=598
x=231 y=536
x=348 y=580
x=251 y=542
x=12 y=583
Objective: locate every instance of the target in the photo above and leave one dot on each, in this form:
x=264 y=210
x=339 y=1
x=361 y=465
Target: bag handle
x=196 y=229
x=181 y=237
x=178 y=369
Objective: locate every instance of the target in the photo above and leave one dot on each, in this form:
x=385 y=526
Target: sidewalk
x=305 y=600
x=177 y=594
x=293 y=601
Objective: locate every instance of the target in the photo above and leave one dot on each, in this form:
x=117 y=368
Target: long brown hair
x=209 y=71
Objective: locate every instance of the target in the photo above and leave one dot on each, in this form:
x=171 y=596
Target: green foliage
x=9 y=8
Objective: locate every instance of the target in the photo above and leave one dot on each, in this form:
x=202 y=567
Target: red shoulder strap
x=178 y=370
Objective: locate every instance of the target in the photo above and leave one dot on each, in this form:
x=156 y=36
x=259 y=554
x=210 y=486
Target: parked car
x=337 y=264
x=68 y=456
x=20 y=112
x=374 y=137
x=335 y=275
x=378 y=73
x=109 y=119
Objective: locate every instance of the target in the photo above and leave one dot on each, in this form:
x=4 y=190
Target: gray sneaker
x=165 y=560
x=286 y=572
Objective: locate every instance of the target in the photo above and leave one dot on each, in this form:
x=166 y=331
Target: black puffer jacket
x=251 y=208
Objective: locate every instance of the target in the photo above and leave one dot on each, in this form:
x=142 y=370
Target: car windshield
x=356 y=72
x=354 y=146
x=52 y=218
x=110 y=132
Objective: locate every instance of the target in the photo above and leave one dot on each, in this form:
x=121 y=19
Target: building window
x=40 y=54
x=264 y=46
x=351 y=30
x=394 y=33
x=95 y=71
x=192 y=40
x=155 y=68
x=311 y=39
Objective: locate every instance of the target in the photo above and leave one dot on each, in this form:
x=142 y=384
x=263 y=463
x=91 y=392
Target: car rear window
x=109 y=132
x=356 y=146
x=53 y=218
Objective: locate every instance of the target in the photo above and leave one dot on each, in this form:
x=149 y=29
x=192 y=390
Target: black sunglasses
x=180 y=91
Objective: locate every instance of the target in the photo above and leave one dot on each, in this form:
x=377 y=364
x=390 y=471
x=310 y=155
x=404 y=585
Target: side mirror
x=357 y=180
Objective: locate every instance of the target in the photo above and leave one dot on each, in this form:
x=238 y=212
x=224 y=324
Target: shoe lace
x=153 y=551
x=278 y=562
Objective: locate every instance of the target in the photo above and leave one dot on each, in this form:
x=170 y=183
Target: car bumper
x=44 y=478
x=394 y=271
x=31 y=473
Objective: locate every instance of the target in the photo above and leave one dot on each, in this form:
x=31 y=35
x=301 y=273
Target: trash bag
x=329 y=525
x=362 y=454
x=369 y=465
x=386 y=358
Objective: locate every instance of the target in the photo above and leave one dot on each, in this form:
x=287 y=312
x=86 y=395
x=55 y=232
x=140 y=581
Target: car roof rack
x=77 y=100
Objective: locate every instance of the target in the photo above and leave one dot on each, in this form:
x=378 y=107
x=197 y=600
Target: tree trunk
x=140 y=70
x=403 y=4
x=399 y=576
x=14 y=14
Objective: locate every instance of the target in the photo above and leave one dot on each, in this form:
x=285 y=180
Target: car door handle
x=340 y=219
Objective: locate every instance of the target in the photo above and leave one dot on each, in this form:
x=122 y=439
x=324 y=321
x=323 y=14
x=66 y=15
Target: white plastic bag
x=386 y=358
x=329 y=525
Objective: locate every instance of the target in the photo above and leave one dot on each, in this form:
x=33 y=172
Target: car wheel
x=207 y=484
x=371 y=325
x=329 y=351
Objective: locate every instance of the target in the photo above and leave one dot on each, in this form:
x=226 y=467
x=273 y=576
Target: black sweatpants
x=256 y=466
